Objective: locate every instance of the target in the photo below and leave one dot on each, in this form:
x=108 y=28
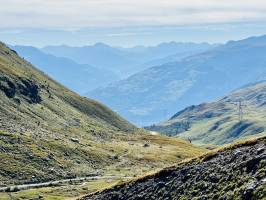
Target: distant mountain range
x=235 y=116
x=83 y=69
x=78 y=77
x=157 y=93
x=126 y=61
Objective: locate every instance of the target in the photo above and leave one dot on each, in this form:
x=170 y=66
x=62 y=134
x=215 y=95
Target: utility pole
x=240 y=111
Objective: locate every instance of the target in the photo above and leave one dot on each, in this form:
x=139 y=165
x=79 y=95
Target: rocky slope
x=156 y=93
x=237 y=115
x=48 y=132
x=236 y=172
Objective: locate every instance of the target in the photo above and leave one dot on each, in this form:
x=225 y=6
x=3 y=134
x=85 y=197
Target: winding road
x=55 y=183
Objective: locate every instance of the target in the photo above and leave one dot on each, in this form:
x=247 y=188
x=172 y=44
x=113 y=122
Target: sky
x=129 y=22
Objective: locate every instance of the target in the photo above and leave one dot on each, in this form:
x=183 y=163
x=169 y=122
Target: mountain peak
x=255 y=40
x=101 y=45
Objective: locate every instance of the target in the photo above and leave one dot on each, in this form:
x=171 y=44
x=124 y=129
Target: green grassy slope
x=48 y=132
x=218 y=122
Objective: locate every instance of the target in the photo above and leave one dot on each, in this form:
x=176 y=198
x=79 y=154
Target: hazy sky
x=129 y=22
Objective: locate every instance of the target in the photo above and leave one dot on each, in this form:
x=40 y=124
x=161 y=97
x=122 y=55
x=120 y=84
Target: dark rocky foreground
x=236 y=172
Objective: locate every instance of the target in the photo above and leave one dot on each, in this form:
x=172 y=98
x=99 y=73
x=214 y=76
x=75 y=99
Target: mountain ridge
x=126 y=61
x=198 y=78
x=240 y=114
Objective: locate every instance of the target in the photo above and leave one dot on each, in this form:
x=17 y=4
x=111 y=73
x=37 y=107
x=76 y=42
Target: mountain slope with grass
x=236 y=172
x=48 y=132
x=237 y=115
x=156 y=93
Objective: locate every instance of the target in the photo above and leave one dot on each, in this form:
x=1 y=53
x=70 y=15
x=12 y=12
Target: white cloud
x=101 y=13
